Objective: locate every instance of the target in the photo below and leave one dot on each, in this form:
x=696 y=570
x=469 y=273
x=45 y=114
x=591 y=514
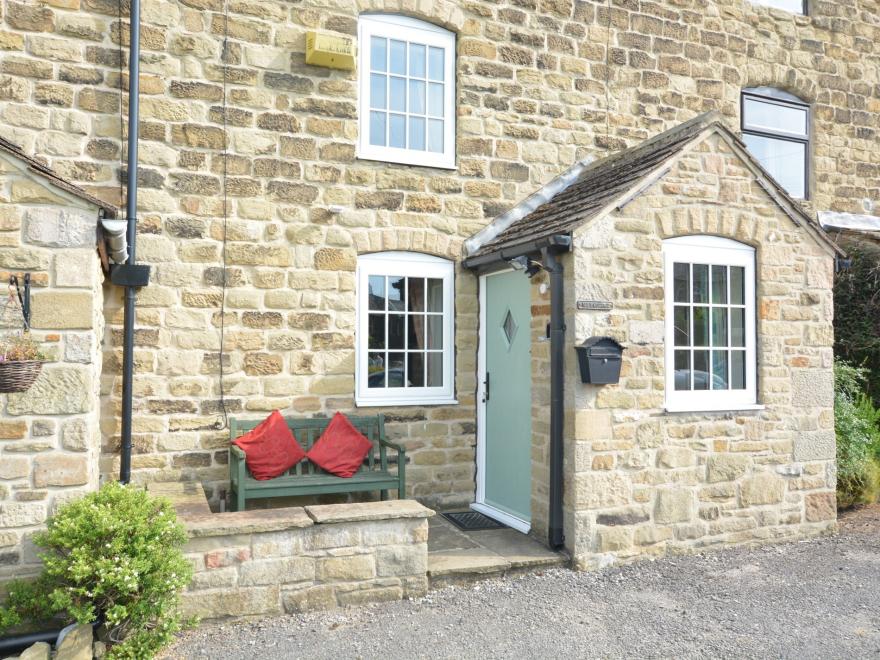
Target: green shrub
x=116 y=553
x=857 y=427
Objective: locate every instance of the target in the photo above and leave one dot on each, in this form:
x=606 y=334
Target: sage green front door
x=508 y=395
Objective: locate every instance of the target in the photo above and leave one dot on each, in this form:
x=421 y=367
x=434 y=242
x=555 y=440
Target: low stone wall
x=257 y=563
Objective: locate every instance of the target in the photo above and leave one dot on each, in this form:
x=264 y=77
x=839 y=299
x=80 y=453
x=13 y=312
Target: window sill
x=415 y=161
x=697 y=409
x=392 y=402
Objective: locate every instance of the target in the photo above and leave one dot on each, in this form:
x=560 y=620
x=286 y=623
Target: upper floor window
x=793 y=6
x=710 y=324
x=405 y=325
x=407 y=90
x=776 y=129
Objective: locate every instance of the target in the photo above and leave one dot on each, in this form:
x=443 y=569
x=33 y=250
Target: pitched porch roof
x=588 y=191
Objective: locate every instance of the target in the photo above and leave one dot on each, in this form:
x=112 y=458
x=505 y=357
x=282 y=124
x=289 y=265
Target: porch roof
x=587 y=191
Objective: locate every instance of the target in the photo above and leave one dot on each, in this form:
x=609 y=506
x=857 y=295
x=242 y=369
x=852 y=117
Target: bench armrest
x=392 y=445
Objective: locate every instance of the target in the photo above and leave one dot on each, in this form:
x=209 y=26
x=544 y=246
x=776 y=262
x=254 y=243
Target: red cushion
x=341 y=449
x=270 y=448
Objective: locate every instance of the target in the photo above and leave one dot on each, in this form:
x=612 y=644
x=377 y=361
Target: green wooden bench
x=306 y=478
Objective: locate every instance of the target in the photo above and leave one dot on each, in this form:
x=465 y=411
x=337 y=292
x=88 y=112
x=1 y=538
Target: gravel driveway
x=814 y=599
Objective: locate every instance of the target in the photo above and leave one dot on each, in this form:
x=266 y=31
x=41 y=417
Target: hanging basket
x=19 y=376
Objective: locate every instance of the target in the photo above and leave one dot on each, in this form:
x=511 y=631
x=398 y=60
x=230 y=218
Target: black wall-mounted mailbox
x=599 y=360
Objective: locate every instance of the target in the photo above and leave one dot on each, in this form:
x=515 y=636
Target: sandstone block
x=321 y=597
x=762 y=489
x=277 y=571
x=675 y=457
x=594 y=490
x=76 y=645
x=60 y=470
x=592 y=425
x=39 y=651
x=61 y=310
x=352 y=567
x=727 y=467
x=615 y=539
x=13 y=467
x=13 y=429
x=815 y=445
x=821 y=506
x=673 y=505
x=57 y=391
x=812 y=388
x=240 y=601
x=363 y=596
x=401 y=560
x=21 y=514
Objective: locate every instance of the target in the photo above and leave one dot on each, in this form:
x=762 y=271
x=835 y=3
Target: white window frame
x=771 y=4
x=711 y=250
x=392 y=26
x=404 y=264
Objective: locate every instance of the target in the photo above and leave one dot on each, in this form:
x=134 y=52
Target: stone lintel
x=357 y=512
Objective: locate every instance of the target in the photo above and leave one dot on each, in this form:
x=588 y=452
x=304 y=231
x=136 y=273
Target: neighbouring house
x=426 y=222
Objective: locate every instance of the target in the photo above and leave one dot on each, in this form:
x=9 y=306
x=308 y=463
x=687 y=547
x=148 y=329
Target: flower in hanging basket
x=20 y=362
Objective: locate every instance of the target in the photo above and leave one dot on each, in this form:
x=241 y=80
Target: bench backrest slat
x=308 y=431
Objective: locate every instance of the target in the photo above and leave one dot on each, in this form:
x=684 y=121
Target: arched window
x=406 y=75
x=405 y=326
x=776 y=129
x=710 y=324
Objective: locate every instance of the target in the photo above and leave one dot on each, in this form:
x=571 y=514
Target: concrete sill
x=718 y=409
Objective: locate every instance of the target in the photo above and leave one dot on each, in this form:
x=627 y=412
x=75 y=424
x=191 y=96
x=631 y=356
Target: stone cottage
x=316 y=237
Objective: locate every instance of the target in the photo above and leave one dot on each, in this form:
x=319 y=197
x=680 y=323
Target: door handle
x=486 y=388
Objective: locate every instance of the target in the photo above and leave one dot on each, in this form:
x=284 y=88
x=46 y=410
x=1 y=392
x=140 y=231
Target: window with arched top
x=406 y=76
x=710 y=338
x=405 y=329
x=776 y=130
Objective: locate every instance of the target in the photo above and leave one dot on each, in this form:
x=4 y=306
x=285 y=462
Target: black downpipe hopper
x=131 y=235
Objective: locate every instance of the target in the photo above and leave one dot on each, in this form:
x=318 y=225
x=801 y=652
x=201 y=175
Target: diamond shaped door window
x=509 y=328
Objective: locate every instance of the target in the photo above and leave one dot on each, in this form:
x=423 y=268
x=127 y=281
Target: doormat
x=471 y=521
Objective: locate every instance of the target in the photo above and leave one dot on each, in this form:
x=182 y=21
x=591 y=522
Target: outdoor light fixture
x=530 y=266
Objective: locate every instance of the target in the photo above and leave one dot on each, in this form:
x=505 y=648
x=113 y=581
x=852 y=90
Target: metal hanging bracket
x=23 y=291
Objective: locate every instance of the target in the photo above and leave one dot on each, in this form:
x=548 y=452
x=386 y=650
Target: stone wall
x=540 y=84
x=642 y=481
x=49 y=436
x=292 y=560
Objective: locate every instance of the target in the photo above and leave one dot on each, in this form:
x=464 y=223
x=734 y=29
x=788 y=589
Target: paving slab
x=518 y=549
x=470 y=561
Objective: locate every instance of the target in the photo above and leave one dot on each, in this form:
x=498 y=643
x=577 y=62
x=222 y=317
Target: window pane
x=435 y=331
x=701 y=326
x=397 y=134
x=378 y=90
x=682 y=323
x=397 y=61
x=772 y=117
x=435 y=369
x=681 y=275
x=396 y=369
x=415 y=372
x=719 y=370
x=435 y=135
x=701 y=370
x=395 y=331
x=417 y=97
x=435 y=64
x=435 y=295
x=378 y=54
x=397 y=94
x=435 y=100
x=794 y=6
x=719 y=285
x=737 y=285
x=719 y=326
x=416 y=294
x=737 y=326
x=738 y=370
x=377 y=331
x=397 y=293
x=416 y=331
x=417 y=60
x=377 y=128
x=376 y=369
x=376 y=288
x=783 y=159
x=682 y=370
x=417 y=133
x=701 y=283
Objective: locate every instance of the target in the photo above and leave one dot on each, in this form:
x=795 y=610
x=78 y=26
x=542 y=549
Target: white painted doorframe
x=480 y=501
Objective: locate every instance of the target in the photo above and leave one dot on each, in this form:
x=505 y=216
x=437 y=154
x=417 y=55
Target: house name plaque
x=595 y=305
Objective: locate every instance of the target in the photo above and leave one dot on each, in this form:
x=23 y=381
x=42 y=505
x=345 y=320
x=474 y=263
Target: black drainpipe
x=130 y=282
x=557 y=392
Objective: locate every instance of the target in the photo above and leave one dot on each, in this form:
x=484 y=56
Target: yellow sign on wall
x=329 y=51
